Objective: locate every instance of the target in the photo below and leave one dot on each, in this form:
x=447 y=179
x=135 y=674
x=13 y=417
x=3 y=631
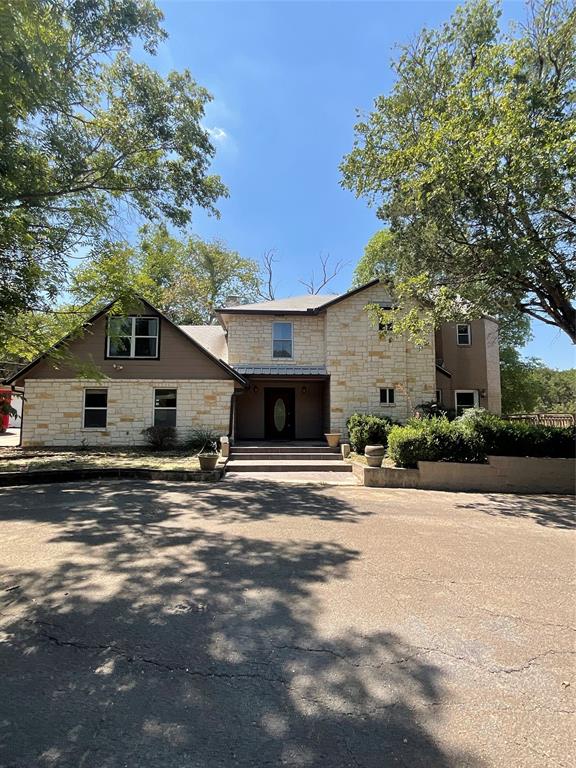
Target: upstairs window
x=385 y=326
x=463 y=336
x=282 y=340
x=135 y=337
x=387 y=396
x=95 y=408
x=164 y=407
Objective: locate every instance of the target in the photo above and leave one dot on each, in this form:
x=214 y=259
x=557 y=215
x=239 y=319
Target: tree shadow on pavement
x=151 y=643
x=549 y=511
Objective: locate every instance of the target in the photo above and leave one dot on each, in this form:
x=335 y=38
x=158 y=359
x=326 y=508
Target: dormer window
x=282 y=340
x=132 y=337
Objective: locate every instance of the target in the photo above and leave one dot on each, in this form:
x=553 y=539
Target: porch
x=282 y=408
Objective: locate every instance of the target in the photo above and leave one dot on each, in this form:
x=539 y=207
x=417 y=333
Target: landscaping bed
x=31 y=460
x=21 y=466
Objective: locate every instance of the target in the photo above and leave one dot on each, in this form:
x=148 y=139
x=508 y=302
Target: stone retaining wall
x=502 y=474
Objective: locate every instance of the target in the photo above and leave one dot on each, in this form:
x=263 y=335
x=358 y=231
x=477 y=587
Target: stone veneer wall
x=360 y=363
x=53 y=410
x=250 y=339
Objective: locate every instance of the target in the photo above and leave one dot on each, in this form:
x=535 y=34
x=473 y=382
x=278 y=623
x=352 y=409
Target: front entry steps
x=285 y=457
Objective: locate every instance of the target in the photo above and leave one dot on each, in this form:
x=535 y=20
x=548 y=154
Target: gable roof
x=309 y=304
x=211 y=337
x=91 y=320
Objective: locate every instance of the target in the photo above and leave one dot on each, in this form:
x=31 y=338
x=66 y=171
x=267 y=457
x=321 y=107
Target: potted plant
x=205 y=442
x=333 y=439
x=374 y=455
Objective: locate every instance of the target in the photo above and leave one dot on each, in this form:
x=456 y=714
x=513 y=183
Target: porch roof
x=281 y=370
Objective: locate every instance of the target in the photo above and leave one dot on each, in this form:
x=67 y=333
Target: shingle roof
x=290 y=304
x=211 y=337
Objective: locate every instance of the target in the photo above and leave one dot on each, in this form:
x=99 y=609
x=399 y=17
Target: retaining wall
x=502 y=474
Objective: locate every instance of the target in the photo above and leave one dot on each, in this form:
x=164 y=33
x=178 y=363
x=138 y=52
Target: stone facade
x=360 y=363
x=250 y=339
x=54 y=410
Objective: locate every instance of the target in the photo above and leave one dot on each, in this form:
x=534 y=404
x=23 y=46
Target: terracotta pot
x=208 y=461
x=374 y=455
x=333 y=438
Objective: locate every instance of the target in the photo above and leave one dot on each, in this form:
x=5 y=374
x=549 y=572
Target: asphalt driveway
x=259 y=624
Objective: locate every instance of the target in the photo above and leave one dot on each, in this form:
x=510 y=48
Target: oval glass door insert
x=279 y=414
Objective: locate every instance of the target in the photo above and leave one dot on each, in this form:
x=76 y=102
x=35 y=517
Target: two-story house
x=278 y=370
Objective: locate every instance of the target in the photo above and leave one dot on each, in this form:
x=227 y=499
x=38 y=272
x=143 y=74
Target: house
x=286 y=369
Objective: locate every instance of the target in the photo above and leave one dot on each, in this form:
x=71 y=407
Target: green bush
x=366 y=429
x=474 y=436
x=434 y=439
x=160 y=438
x=519 y=438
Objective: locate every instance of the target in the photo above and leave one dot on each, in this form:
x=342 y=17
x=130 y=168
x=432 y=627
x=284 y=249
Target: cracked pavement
x=255 y=623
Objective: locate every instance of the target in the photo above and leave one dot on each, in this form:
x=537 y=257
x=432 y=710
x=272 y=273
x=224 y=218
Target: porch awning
x=280 y=370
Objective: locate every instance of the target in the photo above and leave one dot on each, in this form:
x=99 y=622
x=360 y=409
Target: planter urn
x=374 y=455
x=208 y=461
x=333 y=439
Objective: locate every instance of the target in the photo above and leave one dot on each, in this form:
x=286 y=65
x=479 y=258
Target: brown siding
x=179 y=358
x=472 y=367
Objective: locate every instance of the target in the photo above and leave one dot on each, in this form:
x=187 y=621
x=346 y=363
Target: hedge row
x=473 y=437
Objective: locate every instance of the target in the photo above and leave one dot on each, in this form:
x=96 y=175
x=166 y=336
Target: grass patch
x=29 y=460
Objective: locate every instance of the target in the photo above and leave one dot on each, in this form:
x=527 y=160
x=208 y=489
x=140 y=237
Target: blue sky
x=287 y=79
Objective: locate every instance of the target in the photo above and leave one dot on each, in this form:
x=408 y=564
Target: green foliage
x=367 y=429
x=203 y=440
x=474 y=436
x=557 y=390
x=521 y=389
x=86 y=133
x=160 y=438
x=435 y=439
x=378 y=259
x=185 y=279
x=471 y=161
x=517 y=438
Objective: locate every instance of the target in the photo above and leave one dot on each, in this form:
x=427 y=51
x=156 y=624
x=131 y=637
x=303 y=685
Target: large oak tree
x=471 y=161
x=88 y=134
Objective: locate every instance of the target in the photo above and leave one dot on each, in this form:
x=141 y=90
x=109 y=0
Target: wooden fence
x=546 y=419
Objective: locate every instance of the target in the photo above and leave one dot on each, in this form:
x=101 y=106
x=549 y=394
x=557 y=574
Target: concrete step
x=283 y=449
x=288 y=456
x=282 y=465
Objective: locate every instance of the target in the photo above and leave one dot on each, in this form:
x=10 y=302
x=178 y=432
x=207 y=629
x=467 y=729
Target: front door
x=278 y=413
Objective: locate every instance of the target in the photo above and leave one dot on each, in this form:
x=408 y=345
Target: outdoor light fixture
x=482 y=393
x=255 y=388
x=304 y=389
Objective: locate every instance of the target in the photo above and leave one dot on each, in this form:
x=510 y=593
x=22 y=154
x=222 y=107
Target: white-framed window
x=135 y=337
x=387 y=396
x=164 y=407
x=465 y=399
x=463 y=335
x=282 y=340
x=95 y=408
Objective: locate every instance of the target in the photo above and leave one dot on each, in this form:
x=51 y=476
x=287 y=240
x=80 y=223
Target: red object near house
x=5 y=397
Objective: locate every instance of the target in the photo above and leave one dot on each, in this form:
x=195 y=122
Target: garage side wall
x=53 y=411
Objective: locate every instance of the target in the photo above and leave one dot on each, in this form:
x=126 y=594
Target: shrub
x=433 y=440
x=160 y=438
x=474 y=436
x=518 y=438
x=366 y=429
x=203 y=440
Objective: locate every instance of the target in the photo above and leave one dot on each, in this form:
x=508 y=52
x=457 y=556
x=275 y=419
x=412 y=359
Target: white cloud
x=217 y=134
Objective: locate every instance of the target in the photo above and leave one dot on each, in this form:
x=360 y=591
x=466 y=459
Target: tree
x=521 y=388
x=557 y=390
x=471 y=161
x=88 y=134
x=185 y=279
